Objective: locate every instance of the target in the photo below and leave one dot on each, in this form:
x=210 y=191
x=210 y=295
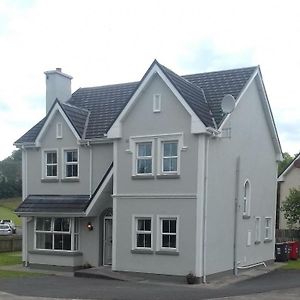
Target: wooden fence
x=284 y=235
x=11 y=243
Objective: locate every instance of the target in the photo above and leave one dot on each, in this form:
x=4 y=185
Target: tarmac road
x=279 y=284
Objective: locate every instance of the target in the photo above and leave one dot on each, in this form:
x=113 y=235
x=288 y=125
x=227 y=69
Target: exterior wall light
x=89 y=226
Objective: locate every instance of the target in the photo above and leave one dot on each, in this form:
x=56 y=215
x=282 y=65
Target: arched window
x=246 y=199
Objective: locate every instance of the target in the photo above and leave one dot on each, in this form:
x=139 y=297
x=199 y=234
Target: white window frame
x=160 y=234
x=246 y=198
x=268 y=237
x=59 y=130
x=177 y=137
x=257 y=230
x=156 y=103
x=65 y=163
x=170 y=157
x=44 y=163
x=72 y=232
x=135 y=231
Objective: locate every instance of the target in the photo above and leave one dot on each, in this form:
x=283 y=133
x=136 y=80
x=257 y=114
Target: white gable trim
x=89 y=210
x=284 y=173
x=51 y=115
x=197 y=125
x=266 y=107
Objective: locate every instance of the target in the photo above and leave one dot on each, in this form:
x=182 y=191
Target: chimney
x=58 y=86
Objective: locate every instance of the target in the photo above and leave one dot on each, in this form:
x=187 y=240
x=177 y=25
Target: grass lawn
x=7 y=207
x=12 y=258
x=292 y=265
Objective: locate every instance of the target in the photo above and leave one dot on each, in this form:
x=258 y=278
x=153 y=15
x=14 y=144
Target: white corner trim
x=114 y=236
x=197 y=125
x=245 y=88
x=51 y=115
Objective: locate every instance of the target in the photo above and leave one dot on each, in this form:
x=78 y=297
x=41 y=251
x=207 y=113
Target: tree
x=291 y=207
x=11 y=175
x=287 y=159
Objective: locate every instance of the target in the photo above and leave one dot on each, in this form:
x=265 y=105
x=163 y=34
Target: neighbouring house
x=288 y=179
x=158 y=176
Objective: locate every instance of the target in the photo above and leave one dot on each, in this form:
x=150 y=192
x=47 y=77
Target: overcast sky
x=103 y=42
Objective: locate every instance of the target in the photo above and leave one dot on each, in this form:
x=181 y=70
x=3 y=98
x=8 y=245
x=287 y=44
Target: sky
x=104 y=42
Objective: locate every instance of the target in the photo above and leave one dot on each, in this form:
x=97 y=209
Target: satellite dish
x=228 y=104
x=297 y=163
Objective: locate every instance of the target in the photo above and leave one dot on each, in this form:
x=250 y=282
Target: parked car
x=5 y=229
x=10 y=223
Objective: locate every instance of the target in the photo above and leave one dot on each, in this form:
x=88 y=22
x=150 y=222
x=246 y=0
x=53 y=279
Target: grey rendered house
x=288 y=179
x=152 y=176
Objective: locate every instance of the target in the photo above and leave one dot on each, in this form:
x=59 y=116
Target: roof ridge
x=107 y=85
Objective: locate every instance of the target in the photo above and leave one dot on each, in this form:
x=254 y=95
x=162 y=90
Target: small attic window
x=156 y=103
x=59 y=130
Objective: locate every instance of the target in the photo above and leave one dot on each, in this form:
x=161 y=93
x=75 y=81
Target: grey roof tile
x=93 y=110
x=54 y=203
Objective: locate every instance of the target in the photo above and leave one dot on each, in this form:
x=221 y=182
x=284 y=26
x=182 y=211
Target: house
x=288 y=179
x=152 y=176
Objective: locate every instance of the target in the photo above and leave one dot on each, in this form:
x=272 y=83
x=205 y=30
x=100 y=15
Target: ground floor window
x=268 y=228
x=56 y=233
x=168 y=233
x=143 y=232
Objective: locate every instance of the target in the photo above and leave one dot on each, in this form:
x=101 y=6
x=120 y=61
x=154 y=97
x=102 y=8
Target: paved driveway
x=278 y=284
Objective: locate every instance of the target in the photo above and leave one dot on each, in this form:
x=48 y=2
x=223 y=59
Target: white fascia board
x=197 y=125
x=89 y=210
x=55 y=108
x=49 y=214
x=245 y=88
x=269 y=117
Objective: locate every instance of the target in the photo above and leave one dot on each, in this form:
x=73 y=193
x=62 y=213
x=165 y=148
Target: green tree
x=287 y=159
x=11 y=175
x=291 y=207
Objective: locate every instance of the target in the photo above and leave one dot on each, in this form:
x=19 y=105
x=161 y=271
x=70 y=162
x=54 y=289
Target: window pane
x=141 y=225
x=170 y=148
x=140 y=240
x=144 y=149
x=62 y=241
x=165 y=241
x=170 y=165
x=61 y=224
x=76 y=242
x=173 y=226
x=144 y=166
x=44 y=241
x=51 y=158
x=71 y=171
x=43 y=224
x=166 y=226
x=52 y=170
x=172 y=241
x=148 y=240
x=148 y=225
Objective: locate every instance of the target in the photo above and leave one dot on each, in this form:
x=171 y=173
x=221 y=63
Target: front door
x=107 y=241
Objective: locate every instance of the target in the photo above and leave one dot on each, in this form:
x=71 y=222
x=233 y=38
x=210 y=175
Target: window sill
x=142 y=177
x=70 y=180
x=142 y=251
x=55 y=252
x=167 y=252
x=49 y=180
x=268 y=240
x=168 y=176
x=246 y=217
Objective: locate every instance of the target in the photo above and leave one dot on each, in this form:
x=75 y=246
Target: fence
x=284 y=235
x=10 y=243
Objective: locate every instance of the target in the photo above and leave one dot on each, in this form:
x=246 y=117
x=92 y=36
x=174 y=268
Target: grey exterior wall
x=251 y=140
x=102 y=156
x=291 y=180
x=141 y=121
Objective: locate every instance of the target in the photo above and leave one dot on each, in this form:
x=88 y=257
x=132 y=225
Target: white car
x=5 y=229
x=10 y=223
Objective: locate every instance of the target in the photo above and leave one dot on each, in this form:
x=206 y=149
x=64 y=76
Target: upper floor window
x=156 y=103
x=169 y=156
x=71 y=163
x=51 y=163
x=246 y=199
x=144 y=158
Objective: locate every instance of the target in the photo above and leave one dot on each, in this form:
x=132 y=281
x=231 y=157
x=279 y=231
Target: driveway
x=279 y=284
